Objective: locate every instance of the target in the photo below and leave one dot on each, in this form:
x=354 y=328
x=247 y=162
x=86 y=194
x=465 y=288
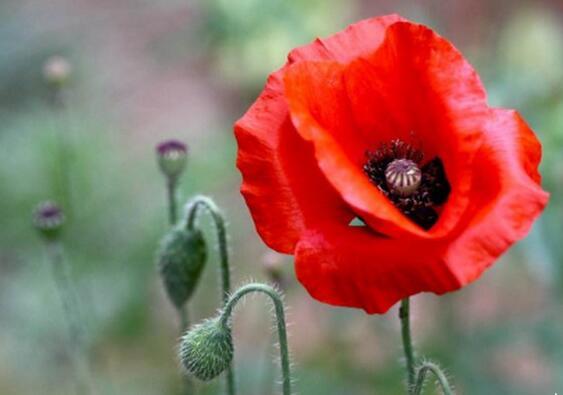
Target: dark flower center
x=48 y=211
x=48 y=215
x=415 y=189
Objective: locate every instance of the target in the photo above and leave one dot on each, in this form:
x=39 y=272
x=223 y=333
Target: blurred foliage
x=146 y=71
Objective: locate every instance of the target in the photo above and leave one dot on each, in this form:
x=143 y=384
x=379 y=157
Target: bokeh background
x=147 y=70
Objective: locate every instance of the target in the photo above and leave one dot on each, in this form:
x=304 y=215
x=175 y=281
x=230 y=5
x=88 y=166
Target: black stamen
x=434 y=189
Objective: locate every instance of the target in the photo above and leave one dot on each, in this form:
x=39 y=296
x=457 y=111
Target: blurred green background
x=146 y=70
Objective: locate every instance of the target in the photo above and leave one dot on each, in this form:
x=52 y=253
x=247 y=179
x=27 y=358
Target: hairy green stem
x=280 y=321
x=192 y=210
x=404 y=316
x=423 y=370
x=69 y=301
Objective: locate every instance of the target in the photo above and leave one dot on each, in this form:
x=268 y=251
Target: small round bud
x=56 y=70
x=273 y=266
x=172 y=157
x=181 y=260
x=48 y=219
x=206 y=350
x=403 y=176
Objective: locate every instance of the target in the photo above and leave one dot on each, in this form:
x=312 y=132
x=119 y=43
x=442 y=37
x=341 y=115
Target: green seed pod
x=206 y=350
x=181 y=260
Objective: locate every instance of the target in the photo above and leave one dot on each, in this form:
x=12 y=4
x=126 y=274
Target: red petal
x=353 y=267
x=506 y=198
x=282 y=185
x=358 y=39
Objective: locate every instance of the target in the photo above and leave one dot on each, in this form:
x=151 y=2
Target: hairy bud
x=48 y=219
x=181 y=260
x=172 y=157
x=206 y=350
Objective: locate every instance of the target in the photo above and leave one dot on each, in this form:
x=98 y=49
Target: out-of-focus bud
x=172 y=157
x=273 y=266
x=206 y=350
x=181 y=260
x=48 y=219
x=56 y=70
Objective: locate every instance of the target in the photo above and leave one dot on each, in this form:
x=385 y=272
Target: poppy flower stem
x=404 y=315
x=430 y=367
x=280 y=321
x=69 y=301
x=417 y=375
x=192 y=211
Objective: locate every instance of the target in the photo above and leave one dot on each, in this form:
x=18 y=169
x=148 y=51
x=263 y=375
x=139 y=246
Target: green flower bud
x=181 y=260
x=206 y=350
x=48 y=219
x=172 y=157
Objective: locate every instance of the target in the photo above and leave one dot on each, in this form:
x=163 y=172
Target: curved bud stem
x=404 y=316
x=431 y=367
x=280 y=320
x=192 y=212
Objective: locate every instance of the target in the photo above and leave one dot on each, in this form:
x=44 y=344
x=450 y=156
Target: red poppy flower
x=373 y=157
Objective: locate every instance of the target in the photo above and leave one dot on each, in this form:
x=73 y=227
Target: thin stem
x=230 y=381
x=404 y=315
x=280 y=320
x=192 y=209
x=171 y=186
x=435 y=369
x=184 y=316
x=65 y=147
x=192 y=213
x=69 y=301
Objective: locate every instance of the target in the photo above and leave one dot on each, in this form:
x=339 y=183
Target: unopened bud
x=206 y=350
x=172 y=157
x=273 y=266
x=56 y=70
x=48 y=219
x=181 y=260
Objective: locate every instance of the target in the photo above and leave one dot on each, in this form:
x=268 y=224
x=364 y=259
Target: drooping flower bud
x=48 y=219
x=172 y=157
x=206 y=350
x=181 y=260
x=56 y=70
